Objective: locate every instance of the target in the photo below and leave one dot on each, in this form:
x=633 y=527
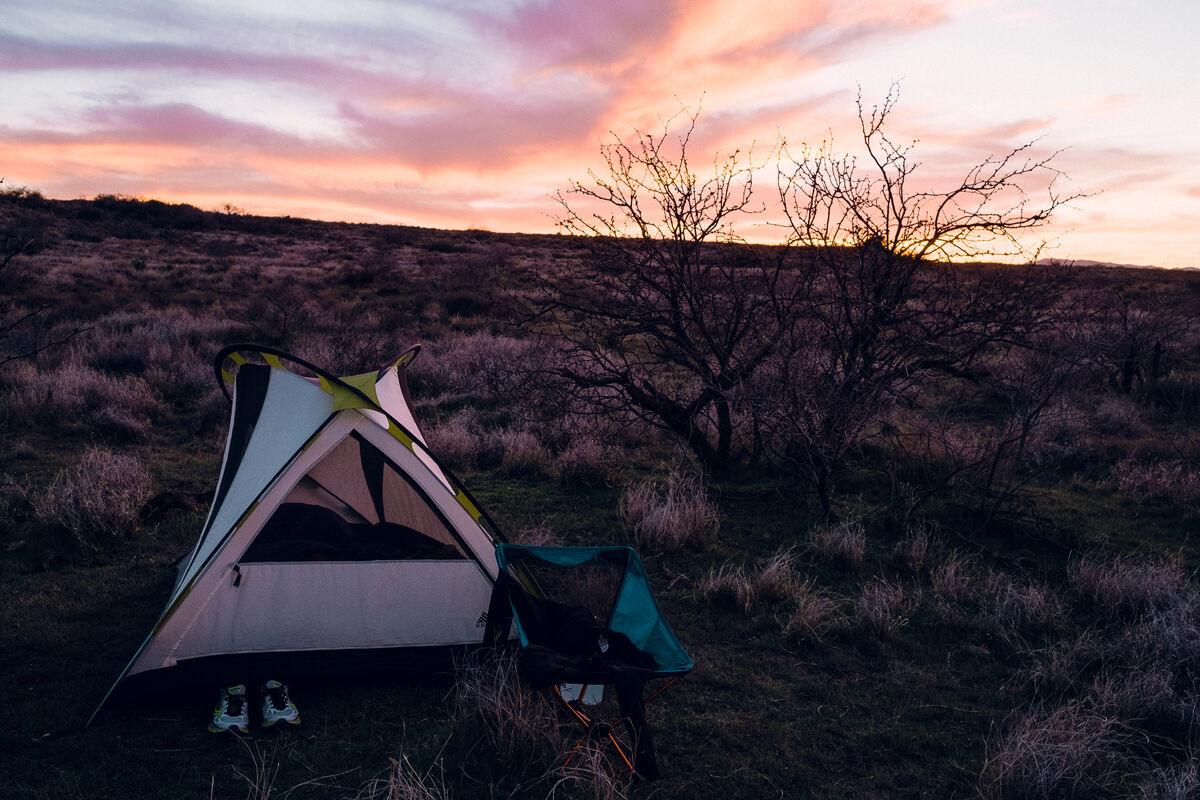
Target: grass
x=944 y=652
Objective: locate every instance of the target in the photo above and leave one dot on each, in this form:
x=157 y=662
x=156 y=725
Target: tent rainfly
x=333 y=529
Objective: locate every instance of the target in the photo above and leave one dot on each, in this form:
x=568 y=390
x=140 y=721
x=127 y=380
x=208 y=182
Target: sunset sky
x=472 y=113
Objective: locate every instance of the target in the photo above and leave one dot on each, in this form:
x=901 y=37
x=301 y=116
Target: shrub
x=74 y=392
x=458 y=440
x=1117 y=414
x=844 y=543
x=523 y=453
x=667 y=515
x=585 y=460
x=98 y=499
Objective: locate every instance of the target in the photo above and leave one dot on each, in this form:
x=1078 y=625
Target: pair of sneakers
x=232 y=712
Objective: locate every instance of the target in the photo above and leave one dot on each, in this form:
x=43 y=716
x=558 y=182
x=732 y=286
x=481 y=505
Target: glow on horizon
x=473 y=113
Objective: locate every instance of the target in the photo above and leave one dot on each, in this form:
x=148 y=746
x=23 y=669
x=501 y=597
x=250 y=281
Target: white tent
x=332 y=529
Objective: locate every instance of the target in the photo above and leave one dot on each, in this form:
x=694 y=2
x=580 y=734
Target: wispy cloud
x=454 y=112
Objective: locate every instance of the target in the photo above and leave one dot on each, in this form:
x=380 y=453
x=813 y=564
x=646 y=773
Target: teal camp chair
x=586 y=617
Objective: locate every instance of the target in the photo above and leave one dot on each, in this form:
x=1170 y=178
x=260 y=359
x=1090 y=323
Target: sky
x=474 y=113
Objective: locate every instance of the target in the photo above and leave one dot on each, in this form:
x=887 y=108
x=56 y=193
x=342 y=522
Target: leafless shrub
x=523 y=453
x=1070 y=753
x=727 y=586
x=1128 y=585
x=844 y=543
x=1118 y=414
x=882 y=606
x=76 y=392
x=97 y=499
x=663 y=516
x=457 y=440
x=813 y=615
x=585 y=460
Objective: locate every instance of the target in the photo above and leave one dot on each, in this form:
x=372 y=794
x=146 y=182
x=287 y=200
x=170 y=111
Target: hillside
x=960 y=624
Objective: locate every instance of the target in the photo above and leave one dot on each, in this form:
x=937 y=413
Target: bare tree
x=667 y=313
x=888 y=309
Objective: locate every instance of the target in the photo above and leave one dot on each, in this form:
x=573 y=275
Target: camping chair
x=586 y=618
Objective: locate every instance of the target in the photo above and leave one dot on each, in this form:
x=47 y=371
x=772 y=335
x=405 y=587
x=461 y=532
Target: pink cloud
x=583 y=35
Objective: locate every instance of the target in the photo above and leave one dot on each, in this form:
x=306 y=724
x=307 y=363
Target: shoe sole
x=235 y=729
x=293 y=722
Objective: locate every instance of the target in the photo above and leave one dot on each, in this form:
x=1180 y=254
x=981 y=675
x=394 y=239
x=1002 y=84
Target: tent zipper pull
x=237 y=575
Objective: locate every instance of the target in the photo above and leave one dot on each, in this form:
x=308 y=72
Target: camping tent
x=333 y=530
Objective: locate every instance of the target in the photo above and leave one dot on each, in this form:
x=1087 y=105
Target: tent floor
x=203 y=676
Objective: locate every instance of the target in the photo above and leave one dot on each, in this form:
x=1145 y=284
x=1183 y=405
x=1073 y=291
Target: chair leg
x=590 y=729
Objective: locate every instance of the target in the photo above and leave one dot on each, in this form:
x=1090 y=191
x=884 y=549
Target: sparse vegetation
x=999 y=600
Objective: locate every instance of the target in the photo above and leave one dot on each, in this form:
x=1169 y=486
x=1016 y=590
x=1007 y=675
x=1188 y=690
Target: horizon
x=472 y=115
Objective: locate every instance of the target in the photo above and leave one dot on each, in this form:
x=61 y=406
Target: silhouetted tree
x=667 y=312
x=887 y=309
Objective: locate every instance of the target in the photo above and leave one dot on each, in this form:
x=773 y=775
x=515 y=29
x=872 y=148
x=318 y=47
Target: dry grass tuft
x=523 y=453
x=663 y=516
x=403 y=781
x=727 y=586
x=1070 y=753
x=883 y=605
x=844 y=543
x=493 y=710
x=585 y=460
x=1016 y=611
x=777 y=579
x=813 y=615
x=98 y=499
x=1129 y=586
x=1180 y=782
x=913 y=550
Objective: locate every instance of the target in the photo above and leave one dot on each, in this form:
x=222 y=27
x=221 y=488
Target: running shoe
x=232 y=712
x=277 y=706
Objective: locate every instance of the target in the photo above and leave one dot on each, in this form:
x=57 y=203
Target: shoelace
x=278 y=697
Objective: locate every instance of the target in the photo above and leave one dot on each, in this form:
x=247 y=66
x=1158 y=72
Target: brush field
x=1037 y=639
